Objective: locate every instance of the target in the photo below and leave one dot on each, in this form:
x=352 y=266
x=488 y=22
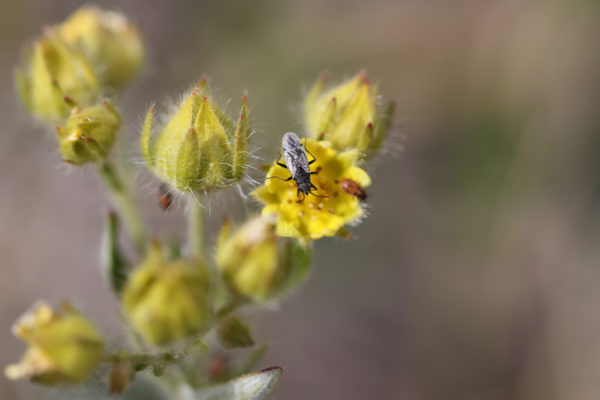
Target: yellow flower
x=315 y=217
x=63 y=347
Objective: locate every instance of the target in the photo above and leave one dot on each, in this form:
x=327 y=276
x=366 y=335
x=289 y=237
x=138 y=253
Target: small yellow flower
x=315 y=217
x=63 y=347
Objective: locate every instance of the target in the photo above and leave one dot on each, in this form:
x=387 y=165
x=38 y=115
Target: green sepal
x=188 y=170
x=23 y=88
x=295 y=259
x=169 y=142
x=242 y=132
x=381 y=129
x=310 y=103
x=145 y=141
x=233 y=332
x=213 y=139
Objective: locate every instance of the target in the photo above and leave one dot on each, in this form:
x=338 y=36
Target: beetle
x=353 y=188
x=296 y=161
x=165 y=198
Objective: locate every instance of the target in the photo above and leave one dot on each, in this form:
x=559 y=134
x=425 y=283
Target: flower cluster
x=180 y=300
x=66 y=71
x=346 y=125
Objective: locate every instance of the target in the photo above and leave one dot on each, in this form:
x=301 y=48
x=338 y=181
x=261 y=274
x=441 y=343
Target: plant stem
x=195 y=226
x=123 y=201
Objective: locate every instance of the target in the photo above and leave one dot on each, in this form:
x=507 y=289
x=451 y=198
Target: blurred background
x=477 y=273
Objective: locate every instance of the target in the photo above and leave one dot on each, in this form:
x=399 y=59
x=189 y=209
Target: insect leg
x=311 y=154
x=278 y=177
x=282 y=165
x=316 y=172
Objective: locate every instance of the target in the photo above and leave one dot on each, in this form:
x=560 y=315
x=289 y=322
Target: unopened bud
x=52 y=72
x=200 y=148
x=249 y=259
x=167 y=300
x=349 y=115
x=112 y=44
x=89 y=133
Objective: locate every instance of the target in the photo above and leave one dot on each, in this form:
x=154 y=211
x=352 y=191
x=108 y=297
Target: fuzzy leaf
x=255 y=386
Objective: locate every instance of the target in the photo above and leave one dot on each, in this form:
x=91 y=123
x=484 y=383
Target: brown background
x=476 y=274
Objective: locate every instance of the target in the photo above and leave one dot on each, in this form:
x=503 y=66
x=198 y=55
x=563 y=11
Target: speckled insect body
x=353 y=188
x=296 y=161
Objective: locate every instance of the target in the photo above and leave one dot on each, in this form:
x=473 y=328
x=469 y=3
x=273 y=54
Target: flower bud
x=112 y=44
x=63 y=347
x=349 y=115
x=200 y=148
x=88 y=134
x=53 y=72
x=249 y=259
x=167 y=300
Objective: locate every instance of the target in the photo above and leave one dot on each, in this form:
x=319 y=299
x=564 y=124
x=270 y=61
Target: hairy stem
x=195 y=226
x=122 y=199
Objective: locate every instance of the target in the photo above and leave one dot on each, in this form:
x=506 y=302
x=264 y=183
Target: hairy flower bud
x=349 y=115
x=249 y=259
x=52 y=74
x=63 y=347
x=167 y=300
x=88 y=134
x=200 y=148
x=112 y=44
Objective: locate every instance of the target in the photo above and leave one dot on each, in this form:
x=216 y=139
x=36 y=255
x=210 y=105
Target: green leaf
x=297 y=257
x=234 y=333
x=254 y=386
x=112 y=261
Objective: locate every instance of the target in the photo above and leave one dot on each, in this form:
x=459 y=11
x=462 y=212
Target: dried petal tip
x=63 y=346
x=348 y=115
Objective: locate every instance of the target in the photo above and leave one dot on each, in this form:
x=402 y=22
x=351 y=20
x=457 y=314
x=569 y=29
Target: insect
x=296 y=161
x=353 y=189
x=165 y=198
